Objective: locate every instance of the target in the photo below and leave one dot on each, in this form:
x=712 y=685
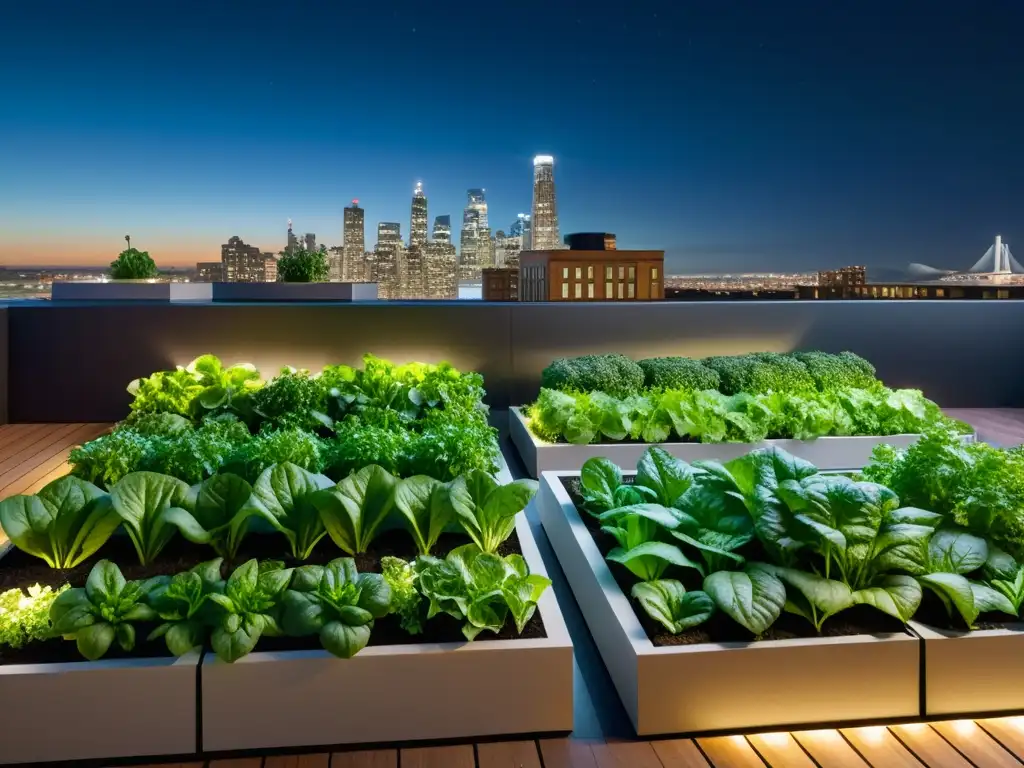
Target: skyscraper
x=443 y=229
x=353 y=261
x=521 y=228
x=387 y=256
x=545 y=212
x=440 y=270
x=418 y=219
x=476 y=250
x=292 y=240
x=242 y=263
x=310 y=241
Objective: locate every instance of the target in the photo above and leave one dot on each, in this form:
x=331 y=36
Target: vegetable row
x=743 y=398
x=768 y=533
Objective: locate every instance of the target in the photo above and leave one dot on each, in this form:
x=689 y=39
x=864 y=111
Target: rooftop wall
x=71 y=362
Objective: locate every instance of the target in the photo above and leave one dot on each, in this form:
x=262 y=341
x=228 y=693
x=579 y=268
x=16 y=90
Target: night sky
x=733 y=135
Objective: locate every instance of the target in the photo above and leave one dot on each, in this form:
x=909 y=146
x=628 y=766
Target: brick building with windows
x=589 y=272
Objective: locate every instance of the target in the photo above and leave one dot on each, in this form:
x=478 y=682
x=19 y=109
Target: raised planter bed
x=837 y=453
x=294 y=291
x=396 y=692
x=725 y=686
x=970 y=672
x=109 y=708
x=130 y=290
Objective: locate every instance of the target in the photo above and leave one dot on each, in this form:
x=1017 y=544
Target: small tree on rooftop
x=301 y=266
x=133 y=264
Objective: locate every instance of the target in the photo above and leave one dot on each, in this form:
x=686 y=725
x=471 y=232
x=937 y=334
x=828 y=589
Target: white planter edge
x=829 y=453
x=406 y=692
x=971 y=672
x=725 y=686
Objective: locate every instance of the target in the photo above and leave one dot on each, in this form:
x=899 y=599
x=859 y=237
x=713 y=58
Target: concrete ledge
x=294 y=291
x=131 y=290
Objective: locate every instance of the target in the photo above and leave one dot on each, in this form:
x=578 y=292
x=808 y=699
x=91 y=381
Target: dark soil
x=859 y=620
x=18 y=569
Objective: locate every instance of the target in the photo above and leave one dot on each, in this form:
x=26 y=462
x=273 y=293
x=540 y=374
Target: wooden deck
x=996 y=743
x=32 y=455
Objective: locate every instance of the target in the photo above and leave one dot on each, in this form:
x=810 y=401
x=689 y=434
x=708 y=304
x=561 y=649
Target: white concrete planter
x=98 y=709
x=836 y=453
x=395 y=693
x=294 y=291
x=725 y=686
x=971 y=672
x=130 y=290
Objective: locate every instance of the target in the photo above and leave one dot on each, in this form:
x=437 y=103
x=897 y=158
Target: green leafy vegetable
x=25 y=617
x=66 y=522
x=248 y=608
x=355 y=508
x=426 y=505
x=152 y=508
x=753 y=598
x=285 y=495
x=337 y=603
x=668 y=603
x=486 y=510
x=182 y=605
x=406 y=600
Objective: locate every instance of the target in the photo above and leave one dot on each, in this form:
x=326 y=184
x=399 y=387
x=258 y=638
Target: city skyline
x=785 y=136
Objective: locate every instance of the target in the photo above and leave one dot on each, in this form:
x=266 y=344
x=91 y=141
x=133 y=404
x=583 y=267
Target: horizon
x=794 y=137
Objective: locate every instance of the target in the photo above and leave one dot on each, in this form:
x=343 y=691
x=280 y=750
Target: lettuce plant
x=292 y=399
x=165 y=392
x=223 y=389
x=486 y=510
x=65 y=523
x=152 y=508
x=353 y=510
x=108 y=458
x=182 y=605
x=295 y=446
x=337 y=603
x=105 y=611
x=25 y=617
x=480 y=588
x=285 y=496
x=667 y=602
x=426 y=505
x=248 y=608
x=406 y=601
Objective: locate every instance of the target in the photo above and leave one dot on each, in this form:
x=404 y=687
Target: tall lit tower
x=475 y=247
x=443 y=229
x=545 y=212
x=292 y=240
x=418 y=221
x=353 y=264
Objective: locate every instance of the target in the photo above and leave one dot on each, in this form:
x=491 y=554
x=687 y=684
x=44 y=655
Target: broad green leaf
x=26 y=521
x=954 y=590
x=648 y=561
x=951 y=551
x=303 y=613
x=105 y=583
x=599 y=481
x=98 y=522
x=94 y=640
x=902 y=547
x=183 y=636
x=426 y=506
x=667 y=602
x=898 y=596
x=487 y=510
x=988 y=600
x=828 y=596
x=374 y=595
x=753 y=598
x=220 y=499
x=353 y=511
x=344 y=640
x=283 y=496
x=71 y=611
x=915 y=516
x=665 y=517
x=1000 y=565
x=139 y=499
x=237 y=636
x=668 y=477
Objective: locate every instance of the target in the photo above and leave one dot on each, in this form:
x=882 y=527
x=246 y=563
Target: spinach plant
x=182 y=605
x=426 y=505
x=105 y=611
x=480 y=588
x=337 y=603
x=218 y=512
x=354 y=509
x=248 y=608
x=284 y=495
x=153 y=507
x=638 y=529
x=667 y=602
x=952 y=555
x=486 y=510
x=66 y=522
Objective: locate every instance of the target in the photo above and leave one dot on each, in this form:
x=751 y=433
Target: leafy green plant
x=292 y=399
x=451 y=445
x=480 y=588
x=158 y=424
x=753 y=598
x=133 y=264
x=165 y=392
x=105 y=460
x=613 y=374
x=354 y=509
x=248 y=608
x=219 y=513
x=602 y=487
x=224 y=389
x=833 y=372
x=299 y=265
x=294 y=446
x=337 y=603
x=678 y=373
x=195 y=454
x=406 y=600
x=486 y=510
x=284 y=495
x=357 y=445
x=182 y=605
x=426 y=505
x=667 y=602
x=105 y=611
x=951 y=556
x=1005 y=575
x=65 y=523
x=152 y=508
x=25 y=616
x=638 y=529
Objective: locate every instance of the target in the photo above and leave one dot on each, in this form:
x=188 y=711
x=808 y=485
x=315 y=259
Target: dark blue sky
x=735 y=135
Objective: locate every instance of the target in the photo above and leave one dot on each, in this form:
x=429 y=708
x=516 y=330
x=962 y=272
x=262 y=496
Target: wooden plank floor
x=33 y=454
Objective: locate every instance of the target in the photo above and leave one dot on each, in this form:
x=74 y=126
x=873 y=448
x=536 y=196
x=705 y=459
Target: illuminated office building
x=522 y=229
x=443 y=229
x=353 y=261
x=418 y=218
x=440 y=270
x=387 y=257
x=475 y=247
x=242 y=263
x=544 y=217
